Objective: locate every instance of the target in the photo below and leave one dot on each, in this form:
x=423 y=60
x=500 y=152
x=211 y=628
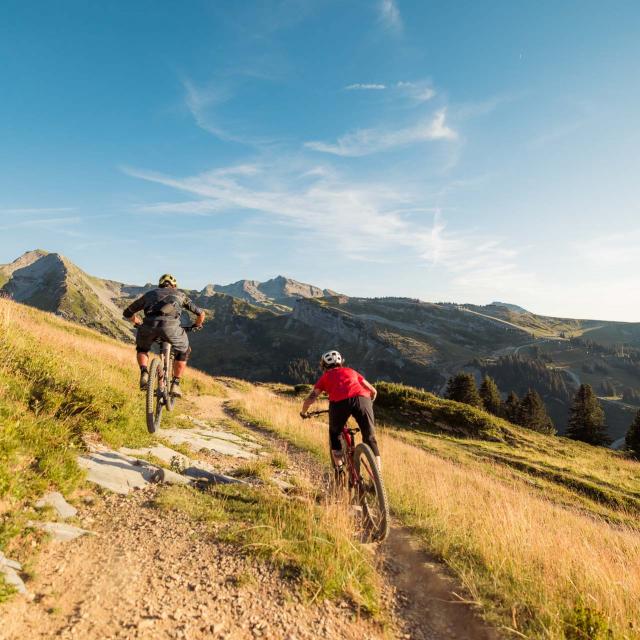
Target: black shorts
x=167 y=332
x=361 y=408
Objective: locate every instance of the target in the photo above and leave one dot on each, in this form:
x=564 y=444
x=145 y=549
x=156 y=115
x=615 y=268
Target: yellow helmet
x=167 y=279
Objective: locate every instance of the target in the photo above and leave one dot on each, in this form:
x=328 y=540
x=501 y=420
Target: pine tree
x=632 y=439
x=491 y=396
x=511 y=407
x=532 y=413
x=586 y=418
x=462 y=388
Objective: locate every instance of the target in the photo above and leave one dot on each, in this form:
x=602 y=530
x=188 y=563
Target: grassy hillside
x=60 y=384
x=63 y=386
x=542 y=531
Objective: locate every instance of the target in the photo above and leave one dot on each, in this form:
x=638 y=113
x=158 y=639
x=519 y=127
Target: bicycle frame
x=348 y=435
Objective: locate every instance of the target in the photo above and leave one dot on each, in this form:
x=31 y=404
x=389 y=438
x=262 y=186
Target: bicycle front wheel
x=370 y=494
x=155 y=397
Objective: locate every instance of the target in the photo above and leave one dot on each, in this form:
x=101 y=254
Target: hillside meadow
x=542 y=532
x=539 y=561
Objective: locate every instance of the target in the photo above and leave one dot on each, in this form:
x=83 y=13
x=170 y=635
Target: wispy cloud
x=556 y=133
x=27 y=211
x=197 y=208
x=204 y=103
x=365 y=221
x=418 y=91
x=363 y=86
x=367 y=141
x=389 y=15
x=62 y=225
x=200 y=101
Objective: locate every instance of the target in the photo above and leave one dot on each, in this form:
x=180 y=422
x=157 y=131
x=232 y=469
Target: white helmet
x=331 y=359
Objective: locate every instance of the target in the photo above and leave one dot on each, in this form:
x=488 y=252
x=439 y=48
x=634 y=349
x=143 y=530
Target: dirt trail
x=427 y=602
x=429 y=599
x=154 y=574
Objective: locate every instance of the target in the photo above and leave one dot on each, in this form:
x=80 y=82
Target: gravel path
x=154 y=574
x=151 y=573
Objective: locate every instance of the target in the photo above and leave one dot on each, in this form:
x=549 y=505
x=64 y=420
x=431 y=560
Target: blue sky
x=468 y=151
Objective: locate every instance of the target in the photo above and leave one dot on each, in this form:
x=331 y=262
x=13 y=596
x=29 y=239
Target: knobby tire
x=169 y=399
x=154 y=397
x=375 y=509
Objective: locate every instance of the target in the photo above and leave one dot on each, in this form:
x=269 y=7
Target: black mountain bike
x=158 y=389
x=361 y=477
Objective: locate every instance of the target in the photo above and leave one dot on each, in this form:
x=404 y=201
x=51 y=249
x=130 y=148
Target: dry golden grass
x=531 y=564
x=81 y=348
x=58 y=382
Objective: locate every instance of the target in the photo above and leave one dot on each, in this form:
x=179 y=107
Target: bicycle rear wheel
x=169 y=400
x=155 y=397
x=370 y=494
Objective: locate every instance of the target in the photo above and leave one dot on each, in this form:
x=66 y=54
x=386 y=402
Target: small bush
x=586 y=623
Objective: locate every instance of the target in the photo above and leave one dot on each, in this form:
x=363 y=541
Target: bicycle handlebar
x=192 y=327
x=311 y=414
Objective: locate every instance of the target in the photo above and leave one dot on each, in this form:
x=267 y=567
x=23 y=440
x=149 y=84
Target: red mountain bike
x=361 y=477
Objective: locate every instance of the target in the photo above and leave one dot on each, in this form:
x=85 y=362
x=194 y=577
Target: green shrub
x=586 y=623
x=424 y=410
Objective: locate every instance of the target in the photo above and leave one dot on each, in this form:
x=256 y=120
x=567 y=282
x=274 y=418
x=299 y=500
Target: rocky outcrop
x=343 y=326
x=277 y=293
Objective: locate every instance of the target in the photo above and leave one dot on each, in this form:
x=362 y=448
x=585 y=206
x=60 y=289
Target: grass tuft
x=310 y=542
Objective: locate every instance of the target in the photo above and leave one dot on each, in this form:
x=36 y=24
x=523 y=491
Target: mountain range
x=276 y=331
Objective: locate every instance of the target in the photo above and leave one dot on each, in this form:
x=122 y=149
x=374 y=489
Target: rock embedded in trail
x=59 y=530
x=116 y=472
x=56 y=500
x=161 y=452
x=9 y=570
x=214 y=440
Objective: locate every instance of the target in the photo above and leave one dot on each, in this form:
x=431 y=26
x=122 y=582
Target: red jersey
x=342 y=383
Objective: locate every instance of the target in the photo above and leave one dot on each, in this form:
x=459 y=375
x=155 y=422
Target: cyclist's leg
x=177 y=336
x=144 y=339
x=338 y=416
x=361 y=408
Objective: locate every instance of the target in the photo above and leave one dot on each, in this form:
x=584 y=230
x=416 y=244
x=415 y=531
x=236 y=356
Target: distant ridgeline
x=277 y=329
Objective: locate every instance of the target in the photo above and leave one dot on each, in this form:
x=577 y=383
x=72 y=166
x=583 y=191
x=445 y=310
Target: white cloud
x=37 y=211
x=62 y=225
x=390 y=14
x=418 y=91
x=555 y=134
x=367 y=141
x=364 y=221
x=360 y=86
x=202 y=103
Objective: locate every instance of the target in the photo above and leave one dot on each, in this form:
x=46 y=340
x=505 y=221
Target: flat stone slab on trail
x=222 y=442
x=60 y=505
x=159 y=451
x=117 y=472
x=9 y=570
x=59 y=530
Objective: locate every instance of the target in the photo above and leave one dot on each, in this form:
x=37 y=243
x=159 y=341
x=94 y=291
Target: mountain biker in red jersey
x=349 y=395
x=162 y=308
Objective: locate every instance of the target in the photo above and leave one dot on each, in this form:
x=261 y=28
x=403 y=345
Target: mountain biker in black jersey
x=162 y=308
